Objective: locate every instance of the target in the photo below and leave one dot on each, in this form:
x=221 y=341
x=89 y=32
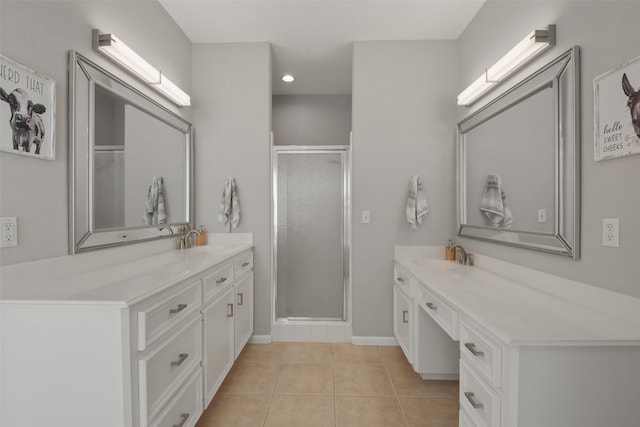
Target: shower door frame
x=345 y=152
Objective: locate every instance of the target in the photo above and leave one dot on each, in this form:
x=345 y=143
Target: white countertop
x=122 y=284
x=521 y=313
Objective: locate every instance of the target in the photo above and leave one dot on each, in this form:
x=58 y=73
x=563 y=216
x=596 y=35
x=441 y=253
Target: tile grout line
x=395 y=394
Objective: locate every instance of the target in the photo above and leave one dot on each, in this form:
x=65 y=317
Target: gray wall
x=311 y=119
x=603 y=30
x=403 y=124
x=232 y=122
x=35 y=191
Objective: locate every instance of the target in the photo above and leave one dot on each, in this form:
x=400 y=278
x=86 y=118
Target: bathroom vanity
x=535 y=349
x=140 y=343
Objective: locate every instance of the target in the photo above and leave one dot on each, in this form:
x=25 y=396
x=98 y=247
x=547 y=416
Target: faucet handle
x=469 y=259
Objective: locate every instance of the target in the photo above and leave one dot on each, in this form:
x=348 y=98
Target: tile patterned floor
x=334 y=385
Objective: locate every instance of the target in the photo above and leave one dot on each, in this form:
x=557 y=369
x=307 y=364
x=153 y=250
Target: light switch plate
x=366 y=217
x=542 y=215
x=611 y=232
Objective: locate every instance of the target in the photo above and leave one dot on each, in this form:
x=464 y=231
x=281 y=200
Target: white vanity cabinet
x=145 y=344
x=417 y=315
x=403 y=311
x=228 y=318
x=534 y=350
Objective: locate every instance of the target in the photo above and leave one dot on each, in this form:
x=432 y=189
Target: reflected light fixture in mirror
x=530 y=47
x=114 y=49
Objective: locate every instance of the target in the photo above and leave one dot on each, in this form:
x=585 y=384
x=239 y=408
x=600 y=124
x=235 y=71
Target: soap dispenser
x=449 y=253
x=202 y=237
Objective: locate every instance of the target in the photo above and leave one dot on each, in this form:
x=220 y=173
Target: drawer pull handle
x=431 y=306
x=229 y=310
x=221 y=280
x=245 y=264
x=181 y=358
x=183 y=419
x=400 y=279
x=404 y=316
x=472 y=399
x=240 y=298
x=472 y=348
x=179 y=309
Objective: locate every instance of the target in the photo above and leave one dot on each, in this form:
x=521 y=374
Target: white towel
x=229 y=205
x=493 y=203
x=154 y=208
x=417 y=207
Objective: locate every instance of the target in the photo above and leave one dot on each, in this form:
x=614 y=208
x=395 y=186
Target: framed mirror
x=518 y=163
x=130 y=162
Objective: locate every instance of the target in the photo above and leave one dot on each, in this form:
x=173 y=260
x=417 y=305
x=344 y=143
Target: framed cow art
x=27 y=111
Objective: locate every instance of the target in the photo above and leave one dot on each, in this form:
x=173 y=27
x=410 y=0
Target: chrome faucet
x=184 y=241
x=463 y=257
x=186 y=238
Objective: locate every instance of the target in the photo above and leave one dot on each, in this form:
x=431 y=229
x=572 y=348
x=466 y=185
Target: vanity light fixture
x=288 y=78
x=113 y=48
x=531 y=46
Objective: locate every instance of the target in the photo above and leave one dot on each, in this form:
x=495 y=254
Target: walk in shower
x=310 y=232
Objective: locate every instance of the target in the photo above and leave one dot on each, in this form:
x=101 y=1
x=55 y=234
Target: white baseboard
x=260 y=339
x=448 y=377
x=381 y=341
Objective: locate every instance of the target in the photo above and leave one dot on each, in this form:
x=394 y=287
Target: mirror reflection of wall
x=109 y=160
x=518 y=145
x=132 y=146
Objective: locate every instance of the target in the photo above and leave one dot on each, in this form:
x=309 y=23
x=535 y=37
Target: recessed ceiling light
x=288 y=78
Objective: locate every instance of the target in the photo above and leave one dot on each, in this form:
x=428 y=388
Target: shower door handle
x=404 y=316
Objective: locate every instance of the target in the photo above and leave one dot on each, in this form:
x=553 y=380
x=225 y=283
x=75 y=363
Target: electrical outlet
x=542 y=215
x=8 y=232
x=611 y=232
x=366 y=217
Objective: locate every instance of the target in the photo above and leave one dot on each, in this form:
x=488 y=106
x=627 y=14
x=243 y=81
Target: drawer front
x=478 y=399
x=403 y=279
x=217 y=281
x=164 y=369
x=465 y=420
x=481 y=352
x=165 y=311
x=186 y=407
x=243 y=264
x=444 y=315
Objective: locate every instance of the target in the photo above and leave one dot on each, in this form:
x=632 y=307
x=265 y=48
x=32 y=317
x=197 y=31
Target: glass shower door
x=310 y=213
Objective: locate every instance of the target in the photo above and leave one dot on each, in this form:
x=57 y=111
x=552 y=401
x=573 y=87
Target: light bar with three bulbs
x=113 y=48
x=530 y=47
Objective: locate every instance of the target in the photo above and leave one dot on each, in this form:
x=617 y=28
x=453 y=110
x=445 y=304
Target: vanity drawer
x=162 y=372
x=217 y=281
x=403 y=280
x=481 y=352
x=186 y=407
x=444 y=315
x=166 y=310
x=243 y=264
x=465 y=419
x=478 y=399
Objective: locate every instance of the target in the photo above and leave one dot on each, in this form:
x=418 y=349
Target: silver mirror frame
x=82 y=234
x=565 y=238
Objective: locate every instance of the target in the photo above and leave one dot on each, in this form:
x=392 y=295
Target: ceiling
x=312 y=39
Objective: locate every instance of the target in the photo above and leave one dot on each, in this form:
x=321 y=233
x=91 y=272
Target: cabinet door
x=402 y=322
x=218 y=341
x=244 y=312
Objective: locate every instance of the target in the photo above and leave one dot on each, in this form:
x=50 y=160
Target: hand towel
x=493 y=203
x=229 y=205
x=154 y=208
x=417 y=207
